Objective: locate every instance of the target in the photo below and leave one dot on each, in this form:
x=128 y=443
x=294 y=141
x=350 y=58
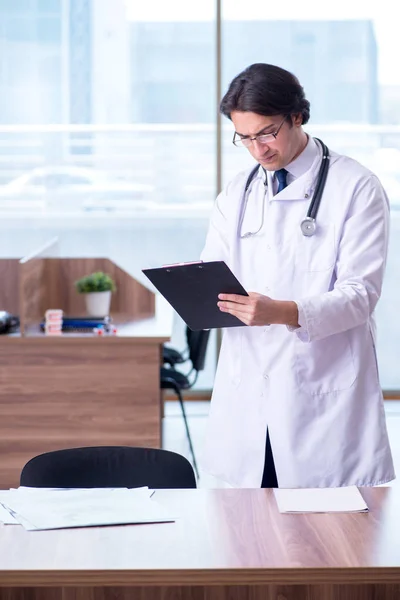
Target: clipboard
x=192 y=290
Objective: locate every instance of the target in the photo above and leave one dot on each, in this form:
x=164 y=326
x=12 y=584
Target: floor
x=174 y=435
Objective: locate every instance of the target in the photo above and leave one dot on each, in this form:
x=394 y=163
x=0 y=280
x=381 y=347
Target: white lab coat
x=316 y=388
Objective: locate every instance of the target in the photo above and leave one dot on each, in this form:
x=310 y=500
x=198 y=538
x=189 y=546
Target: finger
x=233 y=306
x=240 y=314
x=244 y=317
x=234 y=298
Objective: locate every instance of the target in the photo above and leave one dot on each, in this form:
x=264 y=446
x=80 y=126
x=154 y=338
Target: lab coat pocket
x=325 y=366
x=317 y=252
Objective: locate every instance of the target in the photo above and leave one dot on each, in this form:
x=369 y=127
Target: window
x=346 y=59
x=122 y=88
x=127 y=89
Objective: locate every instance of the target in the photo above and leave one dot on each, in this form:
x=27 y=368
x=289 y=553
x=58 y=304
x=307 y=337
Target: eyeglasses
x=262 y=138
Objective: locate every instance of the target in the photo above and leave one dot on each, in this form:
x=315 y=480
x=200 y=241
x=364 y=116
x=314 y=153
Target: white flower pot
x=98 y=303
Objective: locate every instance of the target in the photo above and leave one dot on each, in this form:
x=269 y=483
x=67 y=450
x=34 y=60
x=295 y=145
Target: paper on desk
x=6 y=518
x=320 y=500
x=84 y=508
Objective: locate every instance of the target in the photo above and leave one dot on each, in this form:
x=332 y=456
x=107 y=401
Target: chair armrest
x=172 y=356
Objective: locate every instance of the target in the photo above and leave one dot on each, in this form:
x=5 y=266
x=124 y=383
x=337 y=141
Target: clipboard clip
x=183 y=264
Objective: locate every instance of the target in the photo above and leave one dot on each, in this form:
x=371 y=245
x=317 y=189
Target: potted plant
x=97 y=288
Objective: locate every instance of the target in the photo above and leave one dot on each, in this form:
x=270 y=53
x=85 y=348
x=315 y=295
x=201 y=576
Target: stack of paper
x=320 y=500
x=6 y=517
x=38 y=509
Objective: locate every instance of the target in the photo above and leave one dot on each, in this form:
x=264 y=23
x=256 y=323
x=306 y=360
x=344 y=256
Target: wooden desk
x=227 y=544
x=80 y=390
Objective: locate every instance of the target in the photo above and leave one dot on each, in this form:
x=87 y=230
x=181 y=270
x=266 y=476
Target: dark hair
x=266 y=90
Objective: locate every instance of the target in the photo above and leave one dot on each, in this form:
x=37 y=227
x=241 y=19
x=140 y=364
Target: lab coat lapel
x=299 y=189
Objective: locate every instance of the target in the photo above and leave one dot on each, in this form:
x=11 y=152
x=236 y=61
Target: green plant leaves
x=95 y=282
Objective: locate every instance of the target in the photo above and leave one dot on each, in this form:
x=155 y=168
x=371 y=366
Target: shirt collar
x=304 y=161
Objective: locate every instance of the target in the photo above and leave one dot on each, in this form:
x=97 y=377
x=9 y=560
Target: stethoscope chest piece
x=308 y=226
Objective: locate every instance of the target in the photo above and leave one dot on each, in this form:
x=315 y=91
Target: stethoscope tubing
x=308 y=225
x=319 y=189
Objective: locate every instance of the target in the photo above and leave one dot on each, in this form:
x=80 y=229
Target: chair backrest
x=197 y=342
x=109 y=466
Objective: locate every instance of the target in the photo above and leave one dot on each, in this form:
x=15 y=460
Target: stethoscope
x=308 y=225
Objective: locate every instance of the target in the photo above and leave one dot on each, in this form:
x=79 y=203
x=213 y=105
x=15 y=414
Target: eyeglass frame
x=256 y=137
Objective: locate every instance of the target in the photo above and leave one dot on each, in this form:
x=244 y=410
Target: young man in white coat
x=297 y=400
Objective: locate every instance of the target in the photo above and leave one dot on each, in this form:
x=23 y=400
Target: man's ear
x=297 y=119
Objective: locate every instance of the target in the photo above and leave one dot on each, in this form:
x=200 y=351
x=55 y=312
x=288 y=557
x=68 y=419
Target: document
x=59 y=509
x=6 y=518
x=320 y=500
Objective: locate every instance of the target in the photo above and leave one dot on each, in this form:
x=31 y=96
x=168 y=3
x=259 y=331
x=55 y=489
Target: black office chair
x=108 y=466
x=173 y=379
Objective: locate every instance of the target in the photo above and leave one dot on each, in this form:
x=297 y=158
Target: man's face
x=276 y=153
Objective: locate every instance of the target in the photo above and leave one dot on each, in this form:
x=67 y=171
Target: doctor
x=297 y=401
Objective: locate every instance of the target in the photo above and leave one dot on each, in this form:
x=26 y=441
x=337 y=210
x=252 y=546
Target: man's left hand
x=256 y=309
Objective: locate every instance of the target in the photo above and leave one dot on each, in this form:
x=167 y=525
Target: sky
x=380 y=11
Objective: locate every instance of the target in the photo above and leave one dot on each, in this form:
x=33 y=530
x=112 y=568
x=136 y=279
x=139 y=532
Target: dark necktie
x=281 y=177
